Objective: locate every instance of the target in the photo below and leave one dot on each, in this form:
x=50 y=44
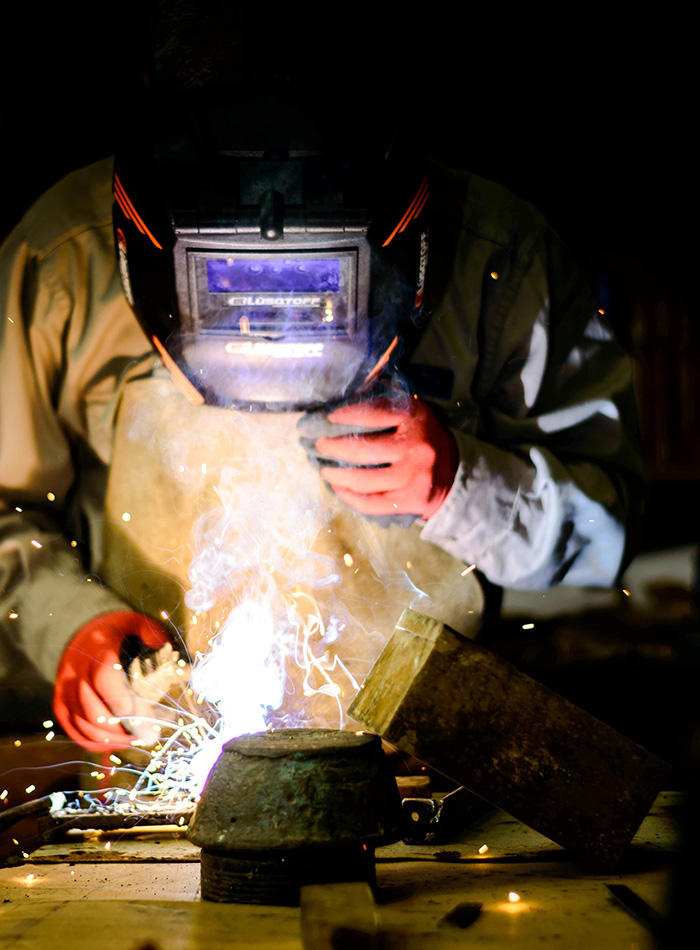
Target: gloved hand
x=91 y=684
x=406 y=466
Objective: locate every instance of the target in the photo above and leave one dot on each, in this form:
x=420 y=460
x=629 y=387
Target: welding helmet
x=272 y=263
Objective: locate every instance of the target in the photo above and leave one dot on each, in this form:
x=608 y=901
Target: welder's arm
x=550 y=486
x=58 y=375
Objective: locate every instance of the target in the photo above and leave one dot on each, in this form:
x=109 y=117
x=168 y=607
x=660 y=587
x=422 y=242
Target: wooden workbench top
x=141 y=891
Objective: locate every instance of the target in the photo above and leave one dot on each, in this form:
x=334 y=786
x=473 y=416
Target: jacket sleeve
x=550 y=485
x=50 y=474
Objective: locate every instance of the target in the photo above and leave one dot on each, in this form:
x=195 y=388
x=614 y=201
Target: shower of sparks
x=237 y=687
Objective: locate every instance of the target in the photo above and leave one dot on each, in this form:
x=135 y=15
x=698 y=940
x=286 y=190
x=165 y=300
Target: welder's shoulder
x=78 y=204
x=483 y=208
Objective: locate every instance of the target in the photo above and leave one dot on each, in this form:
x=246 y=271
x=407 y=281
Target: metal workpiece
x=473 y=717
x=292 y=807
x=433 y=820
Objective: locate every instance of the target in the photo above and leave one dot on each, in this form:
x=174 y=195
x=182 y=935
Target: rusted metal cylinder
x=292 y=807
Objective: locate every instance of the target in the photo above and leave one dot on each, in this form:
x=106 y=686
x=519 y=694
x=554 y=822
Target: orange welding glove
x=406 y=467
x=92 y=696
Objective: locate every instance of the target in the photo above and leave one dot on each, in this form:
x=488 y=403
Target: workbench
x=140 y=891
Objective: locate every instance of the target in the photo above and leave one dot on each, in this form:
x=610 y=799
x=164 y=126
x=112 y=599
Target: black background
x=592 y=119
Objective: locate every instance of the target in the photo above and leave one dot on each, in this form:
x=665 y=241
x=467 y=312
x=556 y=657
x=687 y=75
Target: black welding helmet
x=271 y=264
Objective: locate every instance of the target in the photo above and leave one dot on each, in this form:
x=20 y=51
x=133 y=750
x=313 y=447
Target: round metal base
x=276 y=878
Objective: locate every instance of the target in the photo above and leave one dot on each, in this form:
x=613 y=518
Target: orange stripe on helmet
x=131 y=212
x=381 y=362
x=189 y=391
x=413 y=210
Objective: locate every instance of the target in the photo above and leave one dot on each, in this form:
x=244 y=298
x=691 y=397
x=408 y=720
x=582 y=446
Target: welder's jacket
x=516 y=360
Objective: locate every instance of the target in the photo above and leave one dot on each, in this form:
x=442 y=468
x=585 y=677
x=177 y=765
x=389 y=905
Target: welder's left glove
x=98 y=690
x=406 y=466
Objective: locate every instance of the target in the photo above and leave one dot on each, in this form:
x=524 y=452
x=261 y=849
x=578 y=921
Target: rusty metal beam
x=472 y=716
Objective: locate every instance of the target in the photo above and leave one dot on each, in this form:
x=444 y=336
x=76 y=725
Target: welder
x=447 y=367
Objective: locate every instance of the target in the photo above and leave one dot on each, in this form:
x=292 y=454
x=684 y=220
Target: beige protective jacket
x=516 y=359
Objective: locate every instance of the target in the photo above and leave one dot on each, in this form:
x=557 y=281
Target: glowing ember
x=483 y=849
x=29 y=789
x=468 y=570
x=513 y=897
x=528 y=626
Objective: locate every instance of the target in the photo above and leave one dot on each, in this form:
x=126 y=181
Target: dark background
x=591 y=120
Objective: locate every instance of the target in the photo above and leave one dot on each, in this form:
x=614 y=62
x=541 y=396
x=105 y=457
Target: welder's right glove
x=95 y=699
x=388 y=457
x=313 y=426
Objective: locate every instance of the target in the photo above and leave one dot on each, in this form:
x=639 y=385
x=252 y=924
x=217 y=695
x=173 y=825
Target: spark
x=13 y=615
x=29 y=789
x=626 y=592
x=17 y=743
x=30 y=877
x=74 y=544
x=483 y=849
x=468 y=570
x=348 y=560
x=494 y=274
x=50 y=495
x=204 y=468
x=47 y=724
x=115 y=759
x=116 y=666
x=4 y=795
x=37 y=544
x=513 y=897
x=528 y=626
x=108 y=845
x=49 y=736
x=126 y=516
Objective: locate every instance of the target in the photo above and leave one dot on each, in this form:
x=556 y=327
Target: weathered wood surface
x=562 y=905
x=467 y=713
x=330 y=910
